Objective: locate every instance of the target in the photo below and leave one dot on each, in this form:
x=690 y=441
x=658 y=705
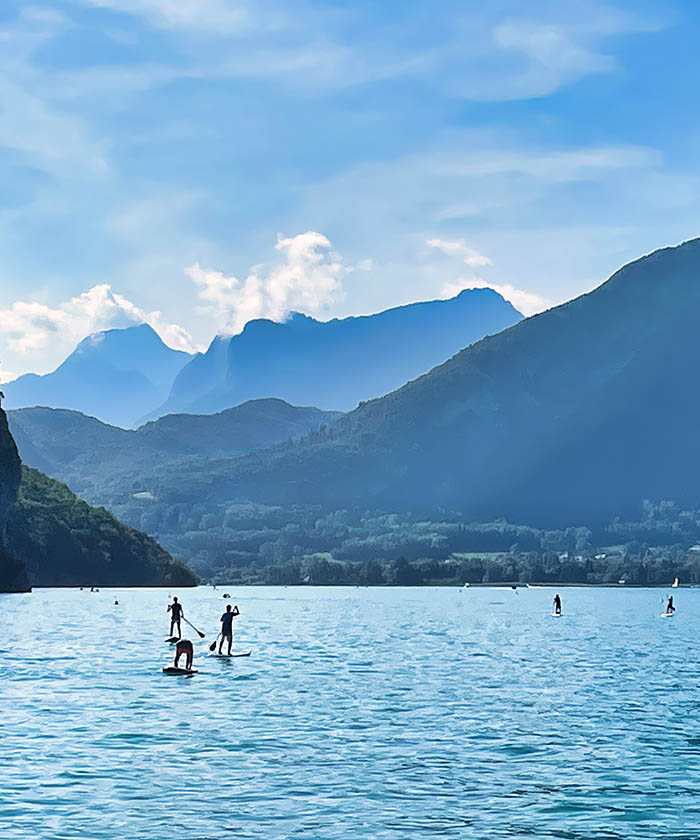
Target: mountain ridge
x=335 y=364
x=556 y=399
x=117 y=374
x=580 y=416
x=70 y=446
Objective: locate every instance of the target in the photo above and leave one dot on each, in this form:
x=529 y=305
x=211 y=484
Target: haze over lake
x=362 y=713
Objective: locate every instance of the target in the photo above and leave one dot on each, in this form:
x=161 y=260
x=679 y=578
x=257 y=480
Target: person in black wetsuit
x=557 y=605
x=669 y=607
x=176 y=614
x=227 y=626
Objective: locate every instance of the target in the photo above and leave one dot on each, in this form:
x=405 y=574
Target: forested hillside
x=62 y=541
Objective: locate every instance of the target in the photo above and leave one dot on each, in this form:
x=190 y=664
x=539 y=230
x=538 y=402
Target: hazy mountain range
x=578 y=413
x=335 y=364
x=118 y=375
x=573 y=416
x=126 y=376
x=50 y=537
x=92 y=456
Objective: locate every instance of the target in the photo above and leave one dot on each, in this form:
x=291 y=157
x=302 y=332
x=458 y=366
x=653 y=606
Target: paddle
x=198 y=632
x=212 y=646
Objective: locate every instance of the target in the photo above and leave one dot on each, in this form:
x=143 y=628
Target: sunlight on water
x=362 y=713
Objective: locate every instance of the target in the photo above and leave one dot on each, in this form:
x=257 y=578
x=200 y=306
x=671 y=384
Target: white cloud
x=307 y=279
x=458 y=247
x=52 y=140
x=526 y=302
x=470 y=50
x=31 y=326
x=550 y=166
x=7 y=375
x=218 y=15
x=521 y=213
x=34 y=121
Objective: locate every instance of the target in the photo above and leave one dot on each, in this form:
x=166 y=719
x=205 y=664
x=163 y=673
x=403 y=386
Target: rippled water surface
x=362 y=713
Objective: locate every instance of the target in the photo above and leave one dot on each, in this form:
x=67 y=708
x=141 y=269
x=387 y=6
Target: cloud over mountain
x=29 y=326
x=306 y=279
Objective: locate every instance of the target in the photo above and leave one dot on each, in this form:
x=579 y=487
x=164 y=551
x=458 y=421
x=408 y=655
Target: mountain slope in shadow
x=335 y=364
x=577 y=414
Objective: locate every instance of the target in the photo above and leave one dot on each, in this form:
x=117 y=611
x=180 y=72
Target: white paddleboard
x=556 y=615
x=231 y=655
x=667 y=615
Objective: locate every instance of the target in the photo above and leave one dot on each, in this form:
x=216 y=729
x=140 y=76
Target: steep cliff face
x=13 y=576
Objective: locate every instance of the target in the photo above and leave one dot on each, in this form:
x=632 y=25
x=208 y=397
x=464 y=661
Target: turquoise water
x=362 y=713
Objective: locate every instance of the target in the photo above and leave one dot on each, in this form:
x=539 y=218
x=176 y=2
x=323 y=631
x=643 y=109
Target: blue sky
x=196 y=163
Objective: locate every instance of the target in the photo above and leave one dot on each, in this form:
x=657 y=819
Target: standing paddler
x=176 y=614
x=227 y=626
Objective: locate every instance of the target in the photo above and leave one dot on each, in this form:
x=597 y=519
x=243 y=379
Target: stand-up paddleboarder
x=227 y=626
x=176 y=614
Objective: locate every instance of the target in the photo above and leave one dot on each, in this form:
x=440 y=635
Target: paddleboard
x=231 y=655
x=171 y=669
x=667 y=615
x=556 y=615
x=171 y=640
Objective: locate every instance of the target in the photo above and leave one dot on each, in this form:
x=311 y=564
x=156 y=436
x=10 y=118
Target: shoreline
x=501 y=586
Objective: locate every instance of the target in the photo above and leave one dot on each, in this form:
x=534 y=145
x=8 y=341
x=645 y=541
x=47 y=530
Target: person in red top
x=184 y=646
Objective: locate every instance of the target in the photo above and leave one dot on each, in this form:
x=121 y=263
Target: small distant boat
x=675 y=583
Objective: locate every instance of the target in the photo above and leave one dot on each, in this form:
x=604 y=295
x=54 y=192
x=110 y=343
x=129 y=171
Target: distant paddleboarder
x=227 y=626
x=669 y=606
x=557 y=605
x=176 y=614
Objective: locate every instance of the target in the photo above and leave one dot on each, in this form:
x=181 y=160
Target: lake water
x=362 y=713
